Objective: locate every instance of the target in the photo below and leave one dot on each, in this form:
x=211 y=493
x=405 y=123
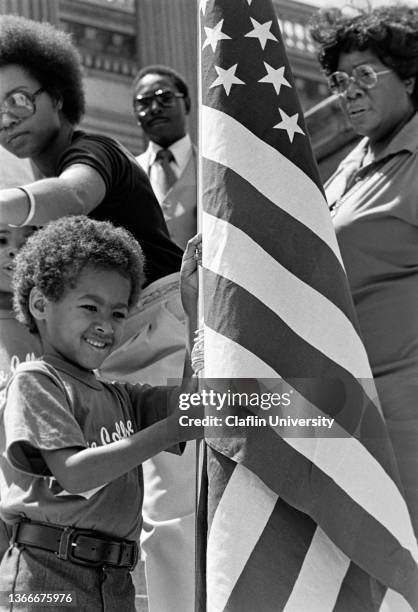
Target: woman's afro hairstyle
x=391 y=32
x=47 y=55
x=54 y=257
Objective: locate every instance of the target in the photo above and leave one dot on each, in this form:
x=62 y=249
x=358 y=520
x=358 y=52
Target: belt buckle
x=68 y=544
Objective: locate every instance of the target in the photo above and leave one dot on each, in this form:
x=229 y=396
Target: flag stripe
x=367 y=595
x=246 y=365
x=320 y=578
x=280 y=468
x=242 y=363
x=354 y=418
x=270 y=348
x=227 y=142
x=314 y=263
x=394 y=602
x=289 y=538
x=239 y=520
x=379 y=497
x=304 y=310
x=265 y=587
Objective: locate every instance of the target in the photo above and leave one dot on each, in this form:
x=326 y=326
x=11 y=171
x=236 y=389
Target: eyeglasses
x=364 y=76
x=164 y=97
x=21 y=104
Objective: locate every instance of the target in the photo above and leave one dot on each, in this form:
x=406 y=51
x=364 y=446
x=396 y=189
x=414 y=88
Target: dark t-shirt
x=129 y=201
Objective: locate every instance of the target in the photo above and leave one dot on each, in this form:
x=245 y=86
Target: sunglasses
x=20 y=104
x=164 y=98
x=364 y=76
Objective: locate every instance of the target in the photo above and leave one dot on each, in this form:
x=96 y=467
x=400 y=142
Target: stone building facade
x=116 y=37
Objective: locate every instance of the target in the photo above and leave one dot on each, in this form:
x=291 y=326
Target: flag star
x=214 y=35
x=262 y=32
x=203 y=5
x=249 y=2
x=290 y=124
x=275 y=77
x=227 y=78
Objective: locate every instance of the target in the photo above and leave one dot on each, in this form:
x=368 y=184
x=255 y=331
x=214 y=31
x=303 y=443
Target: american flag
x=288 y=523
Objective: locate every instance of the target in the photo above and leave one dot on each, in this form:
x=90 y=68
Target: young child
x=16 y=343
x=71 y=445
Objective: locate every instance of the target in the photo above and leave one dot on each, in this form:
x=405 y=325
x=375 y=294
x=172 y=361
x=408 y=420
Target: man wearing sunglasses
x=161 y=104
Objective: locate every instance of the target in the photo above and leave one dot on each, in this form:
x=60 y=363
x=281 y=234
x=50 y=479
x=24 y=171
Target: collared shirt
x=179 y=204
x=376 y=222
x=353 y=169
x=181 y=150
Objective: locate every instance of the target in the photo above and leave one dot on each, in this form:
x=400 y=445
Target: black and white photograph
x=208 y=342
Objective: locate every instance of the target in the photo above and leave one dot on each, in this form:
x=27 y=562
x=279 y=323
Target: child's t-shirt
x=64 y=406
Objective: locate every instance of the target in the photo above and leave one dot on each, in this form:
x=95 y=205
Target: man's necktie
x=164 y=176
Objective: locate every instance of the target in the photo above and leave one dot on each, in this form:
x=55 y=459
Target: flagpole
x=200 y=444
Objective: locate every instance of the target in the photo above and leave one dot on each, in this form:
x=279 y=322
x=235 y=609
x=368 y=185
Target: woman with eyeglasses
x=371 y=60
x=41 y=103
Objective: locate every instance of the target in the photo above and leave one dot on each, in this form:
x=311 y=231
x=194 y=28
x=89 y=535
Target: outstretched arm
x=78 y=470
x=78 y=190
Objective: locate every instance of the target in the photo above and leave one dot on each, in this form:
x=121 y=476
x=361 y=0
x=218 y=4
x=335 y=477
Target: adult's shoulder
x=114 y=162
x=85 y=139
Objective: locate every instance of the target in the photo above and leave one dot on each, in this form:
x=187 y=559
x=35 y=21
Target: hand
x=188 y=274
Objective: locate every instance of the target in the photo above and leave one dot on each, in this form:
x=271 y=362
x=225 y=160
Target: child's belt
x=80 y=546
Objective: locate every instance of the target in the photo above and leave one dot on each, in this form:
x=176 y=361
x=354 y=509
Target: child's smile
x=86 y=324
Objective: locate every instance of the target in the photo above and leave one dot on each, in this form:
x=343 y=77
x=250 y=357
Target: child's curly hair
x=391 y=32
x=54 y=257
x=48 y=55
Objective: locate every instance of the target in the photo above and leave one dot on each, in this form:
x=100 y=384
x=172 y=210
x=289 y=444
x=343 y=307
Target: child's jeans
x=26 y=570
